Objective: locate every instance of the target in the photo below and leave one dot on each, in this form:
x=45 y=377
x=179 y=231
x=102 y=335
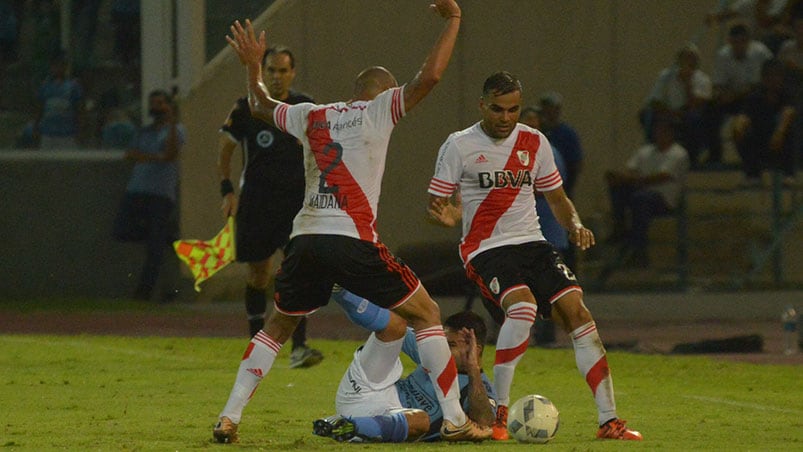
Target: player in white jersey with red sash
x=497 y=164
x=334 y=239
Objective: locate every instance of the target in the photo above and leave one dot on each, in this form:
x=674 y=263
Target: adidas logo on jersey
x=481 y=159
x=256 y=371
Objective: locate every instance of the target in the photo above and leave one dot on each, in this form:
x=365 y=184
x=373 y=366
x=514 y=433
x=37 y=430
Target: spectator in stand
x=60 y=101
x=651 y=185
x=564 y=139
x=683 y=91
x=763 y=128
x=767 y=18
x=561 y=136
x=147 y=212
x=737 y=71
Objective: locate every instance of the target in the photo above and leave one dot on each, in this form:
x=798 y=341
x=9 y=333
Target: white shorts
x=357 y=395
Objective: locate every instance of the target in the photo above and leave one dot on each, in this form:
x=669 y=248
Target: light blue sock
x=388 y=428
x=361 y=311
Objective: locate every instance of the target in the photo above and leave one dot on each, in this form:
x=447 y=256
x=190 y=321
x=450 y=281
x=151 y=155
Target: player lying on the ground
x=374 y=403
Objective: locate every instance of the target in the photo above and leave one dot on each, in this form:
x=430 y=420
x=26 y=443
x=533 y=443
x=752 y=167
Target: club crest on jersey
x=265 y=138
x=494 y=286
x=524 y=157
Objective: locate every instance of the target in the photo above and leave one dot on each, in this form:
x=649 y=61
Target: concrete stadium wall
x=58 y=211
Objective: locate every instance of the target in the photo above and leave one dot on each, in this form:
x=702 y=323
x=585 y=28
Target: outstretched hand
x=445 y=213
x=244 y=41
x=446 y=8
x=582 y=237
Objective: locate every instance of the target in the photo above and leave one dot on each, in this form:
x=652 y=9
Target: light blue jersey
x=416 y=390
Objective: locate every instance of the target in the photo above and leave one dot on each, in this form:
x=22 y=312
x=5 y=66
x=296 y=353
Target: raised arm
x=440 y=54
x=250 y=50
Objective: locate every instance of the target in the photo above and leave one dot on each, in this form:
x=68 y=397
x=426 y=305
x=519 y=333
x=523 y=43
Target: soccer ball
x=533 y=419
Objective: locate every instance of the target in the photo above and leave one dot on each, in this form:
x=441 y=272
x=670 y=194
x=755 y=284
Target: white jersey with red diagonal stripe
x=497 y=179
x=345 y=145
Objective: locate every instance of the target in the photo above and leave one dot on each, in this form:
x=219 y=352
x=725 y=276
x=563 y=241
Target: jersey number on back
x=327 y=150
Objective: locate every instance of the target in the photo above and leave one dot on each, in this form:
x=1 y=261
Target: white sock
x=589 y=353
x=378 y=358
x=514 y=337
x=437 y=358
x=256 y=363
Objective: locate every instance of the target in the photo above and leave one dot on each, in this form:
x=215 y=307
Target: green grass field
x=123 y=393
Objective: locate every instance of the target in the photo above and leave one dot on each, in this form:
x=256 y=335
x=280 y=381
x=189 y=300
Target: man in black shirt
x=272 y=191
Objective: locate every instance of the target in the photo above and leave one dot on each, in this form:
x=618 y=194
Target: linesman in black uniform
x=271 y=193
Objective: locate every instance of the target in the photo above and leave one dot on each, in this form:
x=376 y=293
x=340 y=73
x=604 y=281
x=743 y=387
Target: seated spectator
x=683 y=91
x=651 y=185
x=737 y=70
x=763 y=128
x=60 y=101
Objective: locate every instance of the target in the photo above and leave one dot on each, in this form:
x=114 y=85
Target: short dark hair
x=469 y=320
x=500 y=83
x=277 y=49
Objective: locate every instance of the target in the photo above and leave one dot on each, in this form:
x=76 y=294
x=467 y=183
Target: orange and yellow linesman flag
x=206 y=257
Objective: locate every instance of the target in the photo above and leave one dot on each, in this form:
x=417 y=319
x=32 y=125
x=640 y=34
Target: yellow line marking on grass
x=743 y=404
